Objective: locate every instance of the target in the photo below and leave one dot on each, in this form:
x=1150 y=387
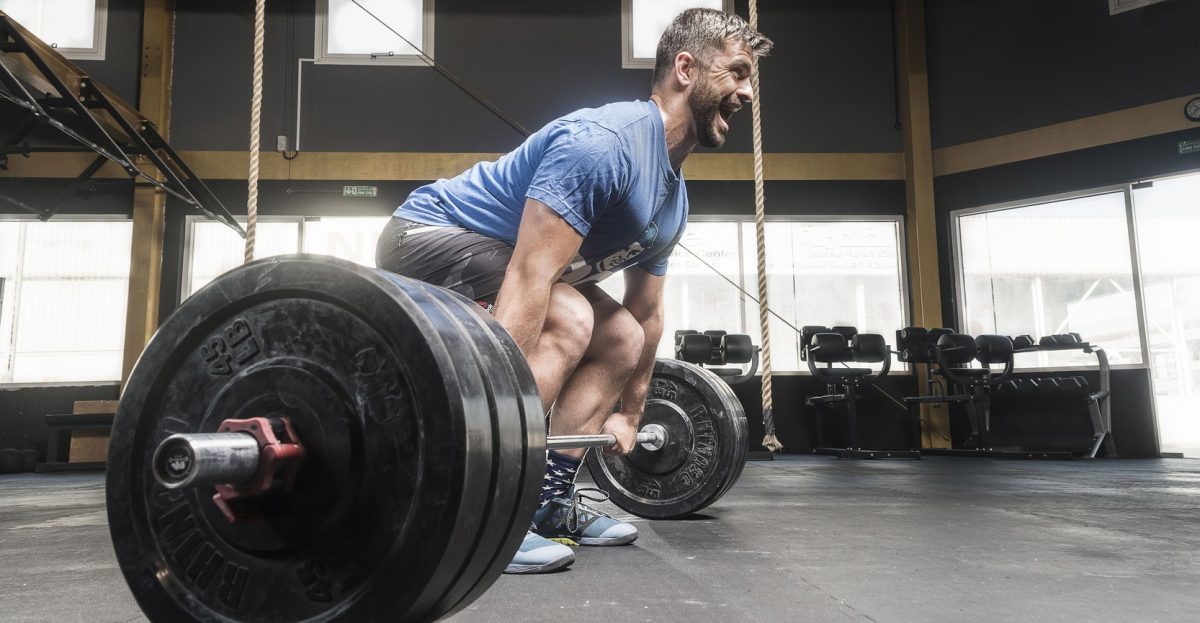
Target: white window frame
x=960 y=287
x=323 y=57
x=99 y=38
x=628 y=61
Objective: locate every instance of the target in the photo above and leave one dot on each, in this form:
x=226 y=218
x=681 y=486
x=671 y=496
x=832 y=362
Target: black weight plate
x=520 y=447
x=380 y=396
x=743 y=433
x=705 y=449
x=506 y=445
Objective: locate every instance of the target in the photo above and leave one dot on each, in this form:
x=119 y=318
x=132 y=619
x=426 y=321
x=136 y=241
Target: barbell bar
x=199 y=459
x=400 y=444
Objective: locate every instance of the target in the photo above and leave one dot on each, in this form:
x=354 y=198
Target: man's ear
x=686 y=68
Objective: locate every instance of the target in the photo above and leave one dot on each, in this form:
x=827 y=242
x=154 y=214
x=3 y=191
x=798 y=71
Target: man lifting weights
x=595 y=192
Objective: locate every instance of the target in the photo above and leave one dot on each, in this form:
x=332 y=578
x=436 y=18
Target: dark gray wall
x=123 y=51
x=828 y=86
x=1001 y=67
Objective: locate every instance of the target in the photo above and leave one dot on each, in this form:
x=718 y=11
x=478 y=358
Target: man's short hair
x=704 y=32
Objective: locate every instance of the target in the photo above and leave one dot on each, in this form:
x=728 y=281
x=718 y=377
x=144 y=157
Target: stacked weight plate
x=424 y=439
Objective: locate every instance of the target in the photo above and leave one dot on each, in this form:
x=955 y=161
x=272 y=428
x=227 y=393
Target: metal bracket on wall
x=55 y=94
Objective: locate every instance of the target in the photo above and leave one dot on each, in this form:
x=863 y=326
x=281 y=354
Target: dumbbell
x=1023 y=342
x=956 y=348
x=806 y=335
x=993 y=349
x=693 y=347
x=869 y=348
x=714 y=347
x=737 y=348
x=1048 y=384
x=829 y=348
x=847 y=332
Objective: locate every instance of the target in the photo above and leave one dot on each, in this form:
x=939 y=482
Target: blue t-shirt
x=604 y=170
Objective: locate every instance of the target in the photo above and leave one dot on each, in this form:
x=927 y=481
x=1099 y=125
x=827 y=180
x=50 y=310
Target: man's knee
x=620 y=338
x=569 y=322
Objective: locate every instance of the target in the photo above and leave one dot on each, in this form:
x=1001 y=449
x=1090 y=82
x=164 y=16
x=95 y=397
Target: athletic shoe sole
x=621 y=540
x=553 y=565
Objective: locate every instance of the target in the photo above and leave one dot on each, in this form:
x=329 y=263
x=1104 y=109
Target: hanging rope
x=260 y=15
x=770 y=441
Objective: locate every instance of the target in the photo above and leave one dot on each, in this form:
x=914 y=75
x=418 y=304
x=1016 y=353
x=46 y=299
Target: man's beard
x=705 y=103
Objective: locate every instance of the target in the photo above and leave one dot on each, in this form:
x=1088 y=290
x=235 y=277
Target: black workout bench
x=62 y=425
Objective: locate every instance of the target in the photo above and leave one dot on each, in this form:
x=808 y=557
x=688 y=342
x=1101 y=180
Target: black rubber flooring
x=797 y=539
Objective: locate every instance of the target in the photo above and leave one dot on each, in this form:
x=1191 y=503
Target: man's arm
x=545 y=245
x=643 y=299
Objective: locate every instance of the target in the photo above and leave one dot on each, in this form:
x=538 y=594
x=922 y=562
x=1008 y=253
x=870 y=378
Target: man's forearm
x=633 y=396
x=521 y=308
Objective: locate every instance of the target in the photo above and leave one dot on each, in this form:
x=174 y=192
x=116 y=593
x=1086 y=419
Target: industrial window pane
x=1167 y=223
x=696 y=297
x=644 y=21
x=350 y=33
x=351 y=239
x=75 y=27
x=10 y=238
x=64 y=300
x=818 y=272
x=1051 y=268
x=826 y=273
x=216 y=249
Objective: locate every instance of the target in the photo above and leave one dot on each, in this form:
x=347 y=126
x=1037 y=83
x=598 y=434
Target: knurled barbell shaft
x=187 y=460
x=652 y=436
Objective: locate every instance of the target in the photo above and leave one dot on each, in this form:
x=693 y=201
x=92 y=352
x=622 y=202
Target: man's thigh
x=451 y=257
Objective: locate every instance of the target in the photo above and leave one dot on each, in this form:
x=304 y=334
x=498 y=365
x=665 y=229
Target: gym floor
x=801 y=538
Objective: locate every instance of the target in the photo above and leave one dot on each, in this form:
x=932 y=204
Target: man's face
x=721 y=88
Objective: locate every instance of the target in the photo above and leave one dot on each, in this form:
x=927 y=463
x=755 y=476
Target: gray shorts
x=455 y=258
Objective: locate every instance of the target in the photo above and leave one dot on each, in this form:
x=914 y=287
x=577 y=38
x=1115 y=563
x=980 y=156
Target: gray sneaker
x=570 y=518
x=540 y=555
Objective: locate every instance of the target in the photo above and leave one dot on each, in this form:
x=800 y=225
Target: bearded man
x=592 y=193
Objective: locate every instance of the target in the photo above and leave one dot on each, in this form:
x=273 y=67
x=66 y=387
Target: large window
x=1168 y=219
x=822 y=272
x=643 y=22
x=1061 y=266
x=76 y=28
x=62 y=300
x=213 y=248
x=364 y=32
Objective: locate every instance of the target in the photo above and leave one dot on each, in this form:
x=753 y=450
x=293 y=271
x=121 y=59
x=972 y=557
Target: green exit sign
x=360 y=191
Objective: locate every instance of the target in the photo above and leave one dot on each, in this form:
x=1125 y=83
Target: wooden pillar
x=924 y=282
x=149 y=204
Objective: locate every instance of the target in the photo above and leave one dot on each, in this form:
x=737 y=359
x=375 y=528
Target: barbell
x=308 y=439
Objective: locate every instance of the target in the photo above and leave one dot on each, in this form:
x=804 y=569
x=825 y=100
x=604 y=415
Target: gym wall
x=994 y=68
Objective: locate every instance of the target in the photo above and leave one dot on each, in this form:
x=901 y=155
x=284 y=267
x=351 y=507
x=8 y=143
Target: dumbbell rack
x=976 y=397
x=1099 y=408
